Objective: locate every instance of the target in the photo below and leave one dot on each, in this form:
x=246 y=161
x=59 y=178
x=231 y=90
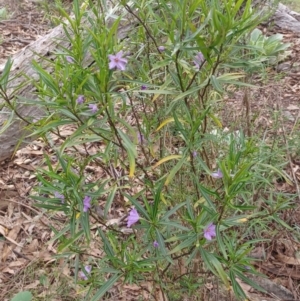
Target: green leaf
x=174 y=170
x=236 y=286
x=281 y=173
x=68 y=114
x=85 y=222
x=131 y=152
x=47 y=79
x=69 y=242
x=22 y=296
x=248 y=280
x=106 y=287
x=76 y=9
x=7 y=123
x=220 y=243
x=161 y=64
x=162 y=247
x=50 y=126
x=137 y=205
x=172 y=211
x=237 y=7
x=174 y=224
x=5 y=74
x=216 y=84
x=214 y=265
x=108 y=249
x=281 y=222
x=227 y=77
x=157 y=199
x=205 y=193
x=109 y=200
x=189 y=242
x=58 y=235
x=113 y=30
x=185 y=94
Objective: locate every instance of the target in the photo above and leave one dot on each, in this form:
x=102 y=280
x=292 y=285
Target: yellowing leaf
x=174 y=170
x=165 y=159
x=165 y=122
x=242 y=220
x=216 y=120
x=199 y=202
x=164 y=200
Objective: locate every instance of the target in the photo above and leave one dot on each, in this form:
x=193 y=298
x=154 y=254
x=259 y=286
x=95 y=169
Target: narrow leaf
x=106 y=287
x=165 y=159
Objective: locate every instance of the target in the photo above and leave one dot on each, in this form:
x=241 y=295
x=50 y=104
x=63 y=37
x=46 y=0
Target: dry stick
x=8 y=102
x=246 y=101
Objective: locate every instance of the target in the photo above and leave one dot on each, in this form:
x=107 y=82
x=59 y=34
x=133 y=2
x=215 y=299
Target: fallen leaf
x=35 y=284
x=292 y=107
x=287 y=259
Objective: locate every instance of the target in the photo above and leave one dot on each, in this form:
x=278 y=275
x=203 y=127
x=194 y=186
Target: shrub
x=172 y=195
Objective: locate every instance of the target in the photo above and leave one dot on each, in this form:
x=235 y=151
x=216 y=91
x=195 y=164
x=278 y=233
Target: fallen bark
x=285 y=18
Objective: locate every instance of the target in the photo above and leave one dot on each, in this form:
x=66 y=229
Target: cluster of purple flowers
x=209 y=232
x=93 y=107
x=119 y=62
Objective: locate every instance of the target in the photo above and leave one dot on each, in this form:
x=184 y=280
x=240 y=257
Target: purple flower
x=140 y=138
x=217 y=175
x=83 y=275
x=195 y=154
x=93 y=107
x=132 y=218
x=59 y=196
x=210 y=231
x=155 y=244
x=143 y=87
x=117 y=61
x=161 y=48
x=198 y=60
x=86 y=203
x=80 y=99
x=69 y=59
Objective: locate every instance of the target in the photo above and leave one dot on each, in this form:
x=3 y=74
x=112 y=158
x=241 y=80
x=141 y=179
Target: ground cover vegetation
x=184 y=194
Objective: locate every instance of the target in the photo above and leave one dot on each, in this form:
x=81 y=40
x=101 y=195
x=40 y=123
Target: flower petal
x=217 y=175
x=210 y=231
x=155 y=244
x=133 y=217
